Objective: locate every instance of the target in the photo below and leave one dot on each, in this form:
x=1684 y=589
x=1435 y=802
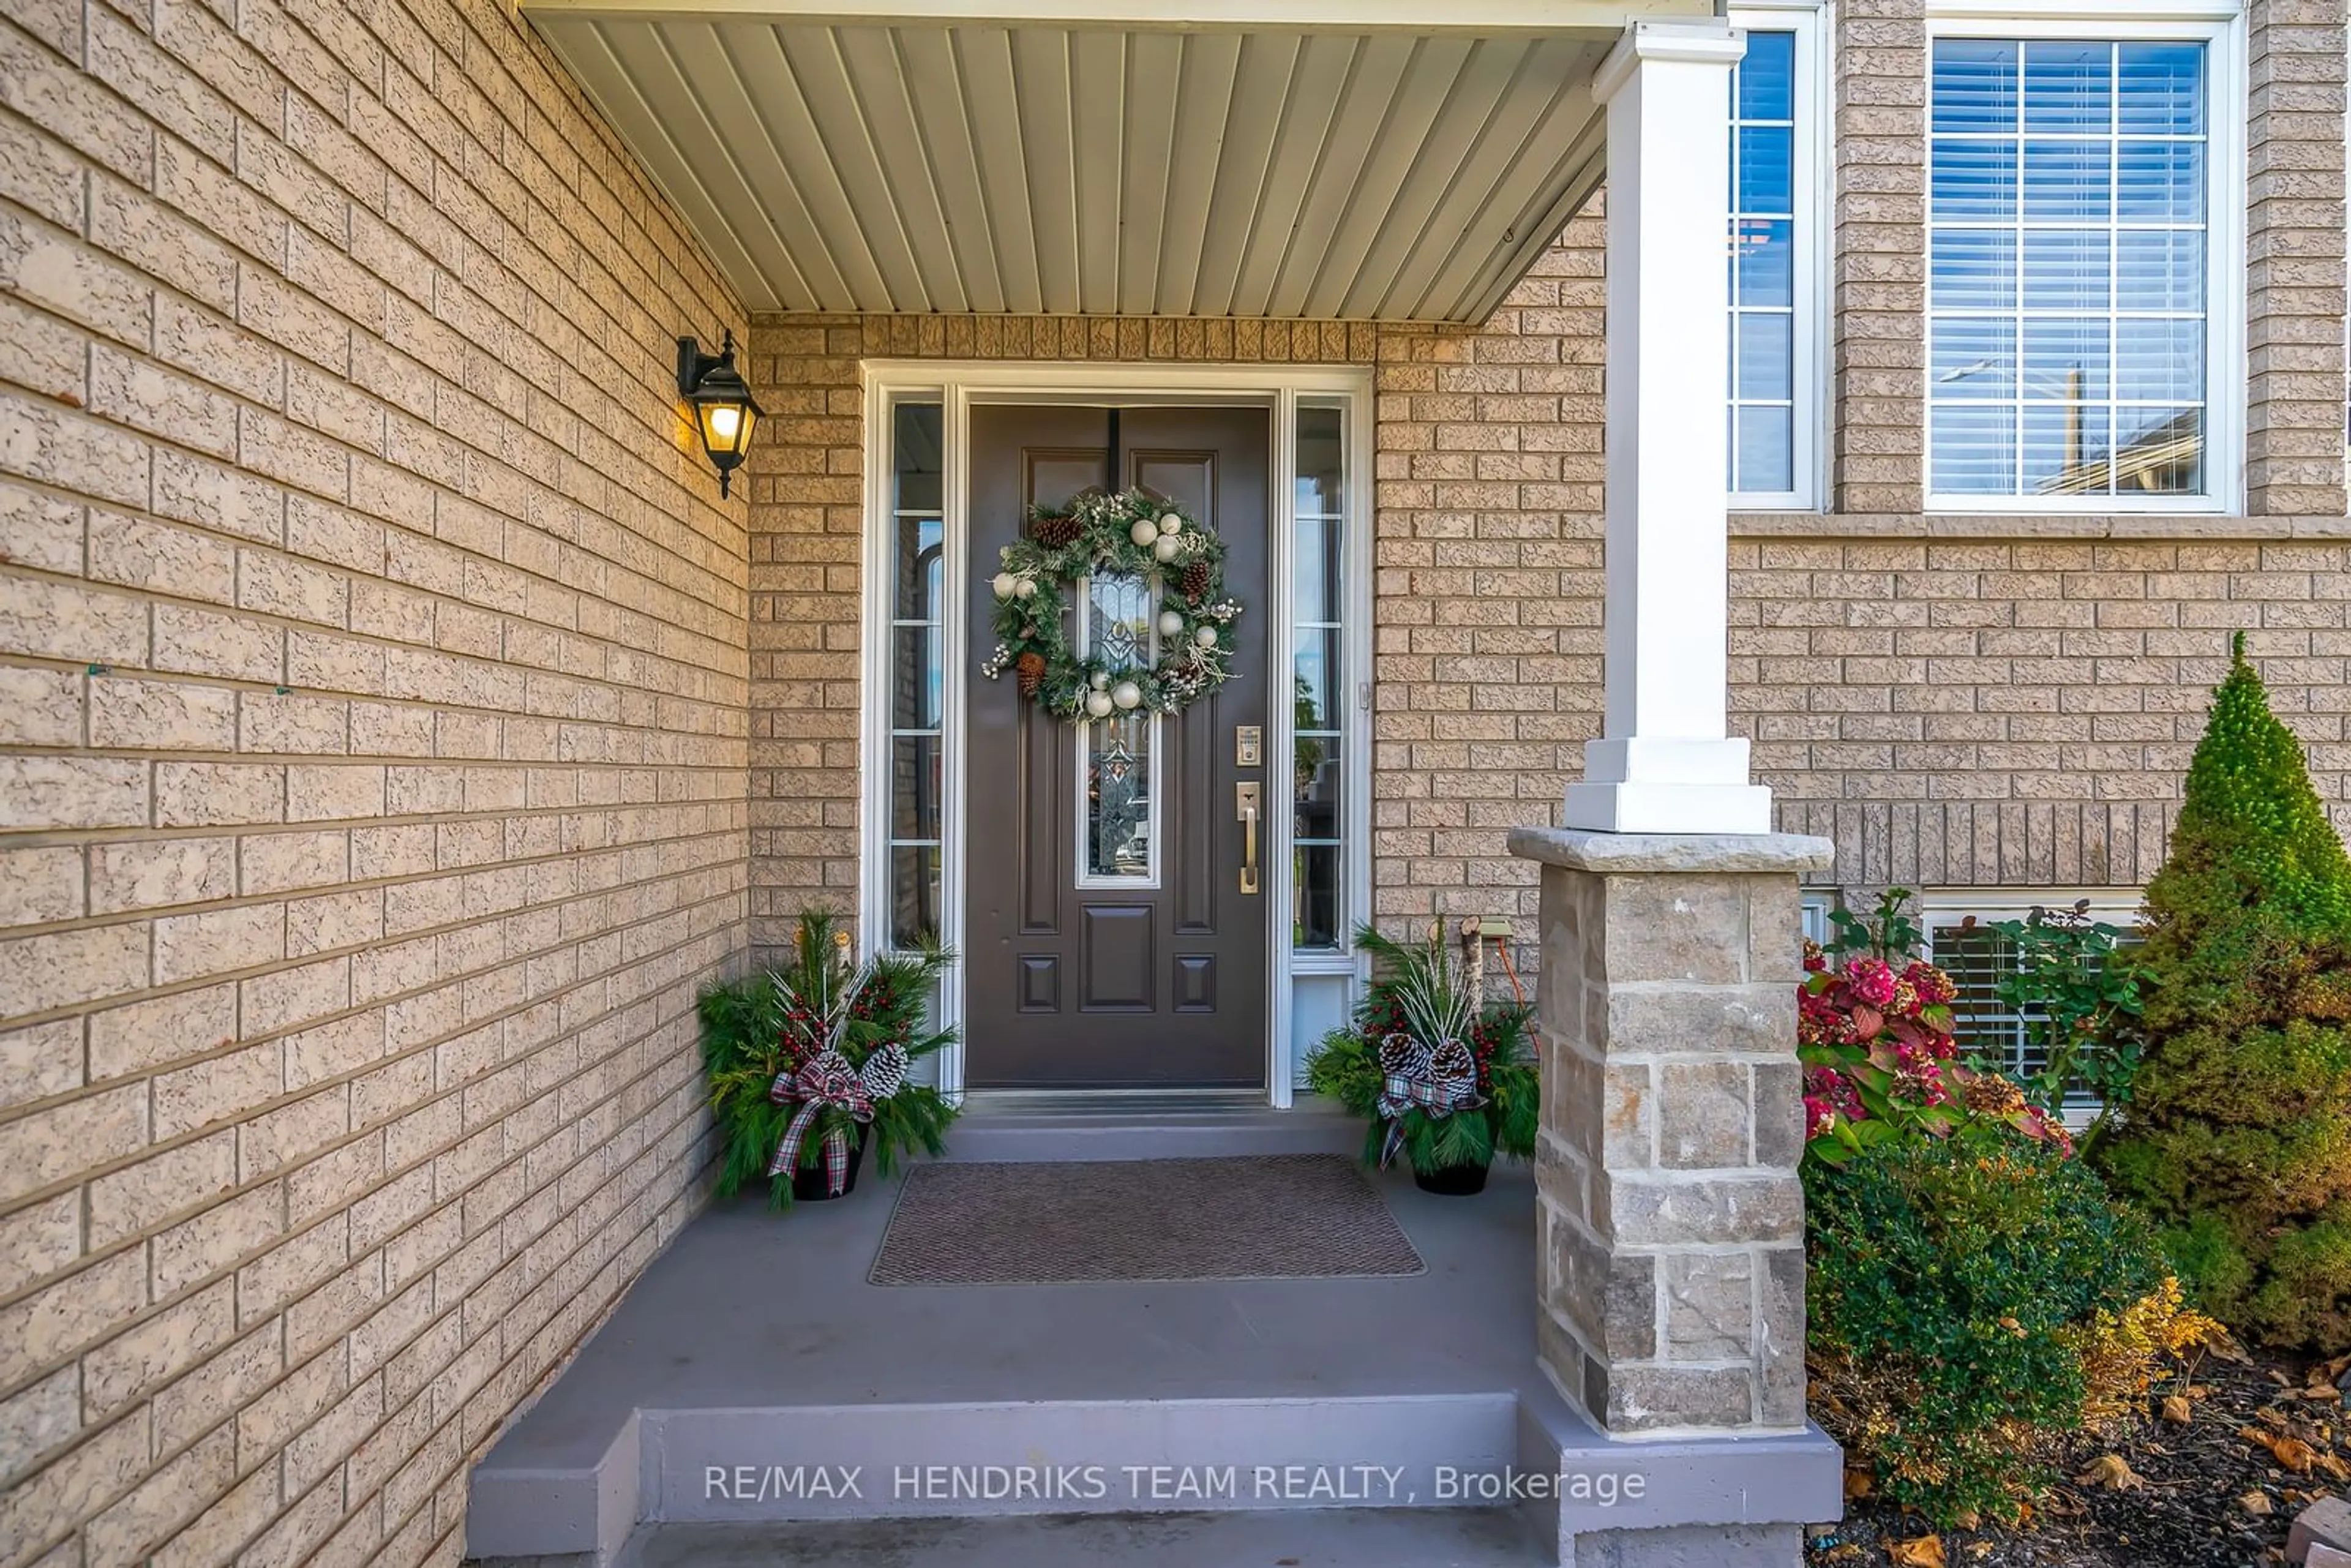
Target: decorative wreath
x=1136 y=534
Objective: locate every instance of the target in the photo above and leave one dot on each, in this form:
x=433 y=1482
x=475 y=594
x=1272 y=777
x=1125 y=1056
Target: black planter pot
x=1451 y=1181
x=809 y=1181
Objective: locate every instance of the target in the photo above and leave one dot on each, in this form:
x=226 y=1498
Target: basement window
x=1963 y=941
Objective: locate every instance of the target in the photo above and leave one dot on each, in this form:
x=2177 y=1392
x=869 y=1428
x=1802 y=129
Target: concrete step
x=1344 y=1538
x=1018 y=1132
x=1102 y=1456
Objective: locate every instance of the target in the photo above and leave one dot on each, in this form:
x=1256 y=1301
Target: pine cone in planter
x=1196 y=580
x=1030 y=667
x=1057 y=533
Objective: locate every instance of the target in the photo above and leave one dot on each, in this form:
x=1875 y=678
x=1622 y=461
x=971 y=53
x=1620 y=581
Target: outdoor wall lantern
x=724 y=410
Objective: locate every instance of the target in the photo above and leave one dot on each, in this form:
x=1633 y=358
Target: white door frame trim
x=957 y=384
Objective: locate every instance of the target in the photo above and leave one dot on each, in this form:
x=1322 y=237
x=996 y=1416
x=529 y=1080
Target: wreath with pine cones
x=1183 y=653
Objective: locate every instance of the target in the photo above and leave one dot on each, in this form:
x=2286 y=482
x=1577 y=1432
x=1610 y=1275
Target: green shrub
x=1959 y=1287
x=2238 y=1138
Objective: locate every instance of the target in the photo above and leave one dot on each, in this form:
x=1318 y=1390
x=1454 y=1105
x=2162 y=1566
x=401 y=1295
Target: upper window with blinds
x=2071 y=249
x=1773 y=222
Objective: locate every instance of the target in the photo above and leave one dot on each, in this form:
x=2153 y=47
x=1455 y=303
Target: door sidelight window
x=916 y=677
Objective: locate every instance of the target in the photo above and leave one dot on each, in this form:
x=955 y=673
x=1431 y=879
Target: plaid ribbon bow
x=1439 y=1081
x=827 y=1081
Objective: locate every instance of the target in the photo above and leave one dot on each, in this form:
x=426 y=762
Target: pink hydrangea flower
x=1872 y=981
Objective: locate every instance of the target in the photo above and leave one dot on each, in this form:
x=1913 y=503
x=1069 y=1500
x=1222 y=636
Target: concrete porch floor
x=755 y=1347
x=750 y=1309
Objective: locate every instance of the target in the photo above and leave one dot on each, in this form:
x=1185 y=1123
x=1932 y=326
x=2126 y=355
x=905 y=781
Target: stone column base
x=1672 y=1264
x=1687 y=1502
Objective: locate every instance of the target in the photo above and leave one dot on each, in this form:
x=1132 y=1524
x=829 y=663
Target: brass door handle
x=1248 y=800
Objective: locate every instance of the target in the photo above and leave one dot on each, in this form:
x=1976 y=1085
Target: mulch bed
x=2202 y=1495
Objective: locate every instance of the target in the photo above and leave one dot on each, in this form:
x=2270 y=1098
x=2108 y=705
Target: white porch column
x=1666 y=764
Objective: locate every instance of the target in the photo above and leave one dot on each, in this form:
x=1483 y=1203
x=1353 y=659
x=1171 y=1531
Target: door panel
x=1113 y=981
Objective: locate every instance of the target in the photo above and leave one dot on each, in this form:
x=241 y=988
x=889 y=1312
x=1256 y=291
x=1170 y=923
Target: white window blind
x=1977 y=957
x=2070 y=268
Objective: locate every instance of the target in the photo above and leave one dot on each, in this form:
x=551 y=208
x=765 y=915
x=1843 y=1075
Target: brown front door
x=1109 y=944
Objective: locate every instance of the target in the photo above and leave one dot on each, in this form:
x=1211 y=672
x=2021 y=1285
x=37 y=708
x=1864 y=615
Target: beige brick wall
x=2018 y=712
x=2295 y=275
x=372 y=685
x=1877 y=265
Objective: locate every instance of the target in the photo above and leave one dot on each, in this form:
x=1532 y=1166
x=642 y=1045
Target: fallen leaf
x=1968 y=1519
x=2335 y=1466
x=2176 y=1410
x=2255 y=1503
x=2323 y=1393
x=1858 y=1483
x=1927 y=1551
x=2112 y=1473
x=2291 y=1452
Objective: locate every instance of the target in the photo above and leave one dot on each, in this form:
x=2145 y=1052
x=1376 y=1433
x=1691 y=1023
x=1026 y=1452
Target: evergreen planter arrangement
x=1442 y=1076
x=810 y=1063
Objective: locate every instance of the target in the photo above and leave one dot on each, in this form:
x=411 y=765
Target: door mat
x=1287 y=1217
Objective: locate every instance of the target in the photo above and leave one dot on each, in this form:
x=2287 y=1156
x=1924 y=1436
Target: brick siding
x=2294 y=272
x=372 y=684
x=1877 y=263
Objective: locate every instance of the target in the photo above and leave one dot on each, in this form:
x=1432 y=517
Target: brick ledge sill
x=2028 y=526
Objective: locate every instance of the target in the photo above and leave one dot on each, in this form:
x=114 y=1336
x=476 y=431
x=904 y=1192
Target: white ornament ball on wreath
x=1170 y=623
x=1102 y=680
x=1168 y=546
x=1144 y=533
x=1099 y=704
x=1025 y=589
x=1171 y=524
x=1126 y=694
x=1205 y=636
x=1004 y=584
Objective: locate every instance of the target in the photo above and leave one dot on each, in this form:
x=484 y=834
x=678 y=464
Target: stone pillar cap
x=1581 y=848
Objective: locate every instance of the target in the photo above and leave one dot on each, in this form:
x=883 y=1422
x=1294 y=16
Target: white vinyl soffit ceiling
x=1343 y=163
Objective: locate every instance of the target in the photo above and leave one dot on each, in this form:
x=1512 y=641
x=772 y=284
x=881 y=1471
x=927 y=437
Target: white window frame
x=2226 y=191
x=1809 y=287
x=1947 y=906
x=1813 y=911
